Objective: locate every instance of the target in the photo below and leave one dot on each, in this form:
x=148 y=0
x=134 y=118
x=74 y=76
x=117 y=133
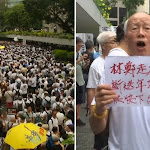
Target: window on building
x=114 y=23
x=113 y=12
x=122 y=14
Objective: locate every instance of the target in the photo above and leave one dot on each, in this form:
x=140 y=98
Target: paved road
x=85 y=137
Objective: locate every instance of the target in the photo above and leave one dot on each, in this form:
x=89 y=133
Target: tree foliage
x=2 y=5
x=36 y=10
x=31 y=14
x=61 y=12
x=131 y=5
x=105 y=6
x=17 y=17
x=2 y=9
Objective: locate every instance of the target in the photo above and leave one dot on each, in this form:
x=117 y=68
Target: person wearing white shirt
x=125 y=122
x=57 y=104
x=53 y=122
x=33 y=83
x=17 y=81
x=24 y=89
x=13 y=75
x=9 y=96
x=68 y=120
x=46 y=99
x=29 y=115
x=19 y=104
x=53 y=98
x=11 y=86
x=60 y=117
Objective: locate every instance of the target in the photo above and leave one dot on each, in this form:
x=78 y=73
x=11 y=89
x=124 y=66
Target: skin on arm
x=104 y=95
x=90 y=96
x=62 y=147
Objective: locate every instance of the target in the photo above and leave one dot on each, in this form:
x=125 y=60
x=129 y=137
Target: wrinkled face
x=138 y=34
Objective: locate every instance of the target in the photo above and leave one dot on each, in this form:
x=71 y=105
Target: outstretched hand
x=104 y=95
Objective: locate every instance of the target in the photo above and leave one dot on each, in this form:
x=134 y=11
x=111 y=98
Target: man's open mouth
x=141 y=44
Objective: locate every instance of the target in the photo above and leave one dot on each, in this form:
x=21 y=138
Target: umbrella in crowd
x=25 y=136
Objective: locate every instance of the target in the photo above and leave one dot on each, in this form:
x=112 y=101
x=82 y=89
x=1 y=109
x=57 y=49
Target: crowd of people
x=89 y=71
x=39 y=88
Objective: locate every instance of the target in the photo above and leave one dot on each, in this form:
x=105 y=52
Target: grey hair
x=125 y=26
x=55 y=138
x=104 y=36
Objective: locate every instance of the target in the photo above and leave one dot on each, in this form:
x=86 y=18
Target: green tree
x=2 y=5
x=132 y=5
x=2 y=9
x=17 y=17
x=61 y=12
x=36 y=9
x=105 y=6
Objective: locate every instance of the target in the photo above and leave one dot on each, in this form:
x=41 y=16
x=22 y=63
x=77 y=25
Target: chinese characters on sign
x=130 y=78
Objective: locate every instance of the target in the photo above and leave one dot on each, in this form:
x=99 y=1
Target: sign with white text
x=130 y=78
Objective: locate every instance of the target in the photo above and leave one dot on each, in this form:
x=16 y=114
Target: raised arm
x=104 y=95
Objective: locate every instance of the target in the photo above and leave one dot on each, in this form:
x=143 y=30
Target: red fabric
x=10 y=105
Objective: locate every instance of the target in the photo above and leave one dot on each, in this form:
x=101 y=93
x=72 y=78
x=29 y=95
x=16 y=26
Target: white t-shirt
x=95 y=72
x=57 y=104
x=68 y=122
x=53 y=122
x=53 y=100
x=117 y=52
x=60 y=117
x=129 y=127
x=23 y=89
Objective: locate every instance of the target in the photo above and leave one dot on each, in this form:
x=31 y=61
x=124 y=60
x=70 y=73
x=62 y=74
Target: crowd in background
x=89 y=73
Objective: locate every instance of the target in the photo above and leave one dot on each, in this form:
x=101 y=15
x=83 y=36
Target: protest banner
x=130 y=78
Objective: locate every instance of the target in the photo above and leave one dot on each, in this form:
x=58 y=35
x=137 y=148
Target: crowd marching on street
x=40 y=89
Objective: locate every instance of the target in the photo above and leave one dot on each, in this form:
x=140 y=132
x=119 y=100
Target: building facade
x=88 y=18
x=11 y=3
x=117 y=14
x=145 y=7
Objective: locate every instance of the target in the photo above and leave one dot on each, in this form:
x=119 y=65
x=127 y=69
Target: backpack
x=57 y=93
x=50 y=143
x=70 y=104
x=48 y=102
x=18 y=85
x=38 y=119
x=58 y=106
x=38 y=102
x=50 y=81
x=19 y=107
x=28 y=117
x=49 y=115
